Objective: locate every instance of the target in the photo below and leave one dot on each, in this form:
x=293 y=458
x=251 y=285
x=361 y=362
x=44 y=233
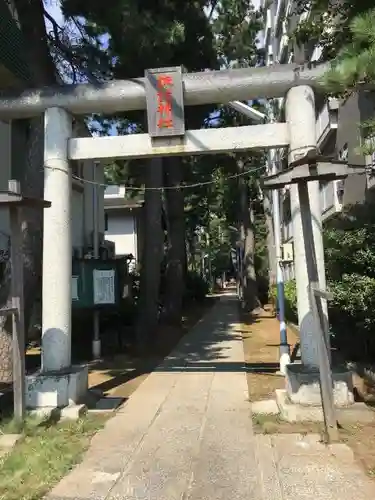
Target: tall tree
x=143 y=34
x=176 y=253
x=354 y=68
x=247 y=231
x=328 y=23
x=236 y=25
x=152 y=255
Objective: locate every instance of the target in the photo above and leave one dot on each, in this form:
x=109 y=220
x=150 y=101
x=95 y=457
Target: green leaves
x=350 y=243
x=354 y=296
x=235 y=28
x=329 y=23
x=363 y=29
x=350 y=264
x=355 y=63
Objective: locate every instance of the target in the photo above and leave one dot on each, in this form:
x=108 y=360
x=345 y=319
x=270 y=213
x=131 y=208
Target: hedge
x=351 y=314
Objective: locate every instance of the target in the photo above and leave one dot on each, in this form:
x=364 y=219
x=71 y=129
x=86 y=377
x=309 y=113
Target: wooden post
x=321 y=329
x=15 y=201
x=18 y=304
x=325 y=373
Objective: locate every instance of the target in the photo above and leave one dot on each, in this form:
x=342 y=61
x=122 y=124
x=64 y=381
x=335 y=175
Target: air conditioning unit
x=287 y=253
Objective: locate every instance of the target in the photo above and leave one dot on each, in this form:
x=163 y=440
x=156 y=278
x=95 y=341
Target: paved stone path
x=186 y=434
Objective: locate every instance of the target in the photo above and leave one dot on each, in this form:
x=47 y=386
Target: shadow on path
x=207 y=347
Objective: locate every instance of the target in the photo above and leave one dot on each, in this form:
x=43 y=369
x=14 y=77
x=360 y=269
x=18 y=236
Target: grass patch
x=273 y=424
x=266 y=424
x=45 y=453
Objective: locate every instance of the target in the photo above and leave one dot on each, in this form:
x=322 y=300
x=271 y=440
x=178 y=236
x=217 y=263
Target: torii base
x=303 y=385
x=291 y=412
x=57 y=389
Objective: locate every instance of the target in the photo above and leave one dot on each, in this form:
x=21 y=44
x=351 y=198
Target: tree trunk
x=148 y=313
x=191 y=260
x=271 y=251
x=250 y=287
x=26 y=162
x=176 y=256
x=31 y=17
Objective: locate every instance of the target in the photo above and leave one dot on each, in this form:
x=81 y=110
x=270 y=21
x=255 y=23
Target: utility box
x=287 y=252
x=96 y=284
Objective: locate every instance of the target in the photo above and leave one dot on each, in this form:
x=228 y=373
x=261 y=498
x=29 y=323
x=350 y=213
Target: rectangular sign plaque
x=165 y=102
x=104 y=286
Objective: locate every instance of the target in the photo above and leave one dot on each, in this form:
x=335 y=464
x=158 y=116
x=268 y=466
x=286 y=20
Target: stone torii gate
x=60 y=384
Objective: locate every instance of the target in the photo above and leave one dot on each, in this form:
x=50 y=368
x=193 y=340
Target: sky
x=53 y=8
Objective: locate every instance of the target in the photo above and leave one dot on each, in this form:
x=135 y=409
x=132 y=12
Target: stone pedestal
x=357 y=412
x=303 y=386
x=57 y=389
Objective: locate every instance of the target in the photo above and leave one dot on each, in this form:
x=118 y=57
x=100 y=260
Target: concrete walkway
x=186 y=433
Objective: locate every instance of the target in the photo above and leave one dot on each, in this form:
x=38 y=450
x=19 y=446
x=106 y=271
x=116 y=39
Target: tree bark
x=250 y=287
x=27 y=162
x=176 y=254
x=271 y=251
x=31 y=17
x=148 y=313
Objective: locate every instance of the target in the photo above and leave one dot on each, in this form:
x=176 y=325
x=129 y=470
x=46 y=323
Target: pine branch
x=355 y=63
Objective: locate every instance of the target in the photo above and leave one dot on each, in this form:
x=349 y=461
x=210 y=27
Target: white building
x=84 y=176
x=82 y=198
x=123 y=222
x=337 y=122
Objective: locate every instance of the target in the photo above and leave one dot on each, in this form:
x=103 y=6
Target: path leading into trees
x=186 y=434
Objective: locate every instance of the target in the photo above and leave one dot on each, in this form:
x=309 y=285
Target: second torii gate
x=59 y=383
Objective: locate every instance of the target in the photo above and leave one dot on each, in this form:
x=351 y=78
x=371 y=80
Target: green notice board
x=95 y=283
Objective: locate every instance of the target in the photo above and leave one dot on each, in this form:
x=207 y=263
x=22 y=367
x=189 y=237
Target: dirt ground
x=261 y=345
x=261 y=338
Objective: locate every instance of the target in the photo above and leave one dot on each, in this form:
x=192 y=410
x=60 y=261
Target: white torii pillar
x=300 y=117
x=58 y=384
x=57 y=243
x=303 y=380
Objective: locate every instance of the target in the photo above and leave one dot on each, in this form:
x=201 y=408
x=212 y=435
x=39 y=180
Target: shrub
x=290 y=293
x=273 y=293
x=196 y=287
x=352 y=314
x=291 y=301
x=350 y=266
x=263 y=288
